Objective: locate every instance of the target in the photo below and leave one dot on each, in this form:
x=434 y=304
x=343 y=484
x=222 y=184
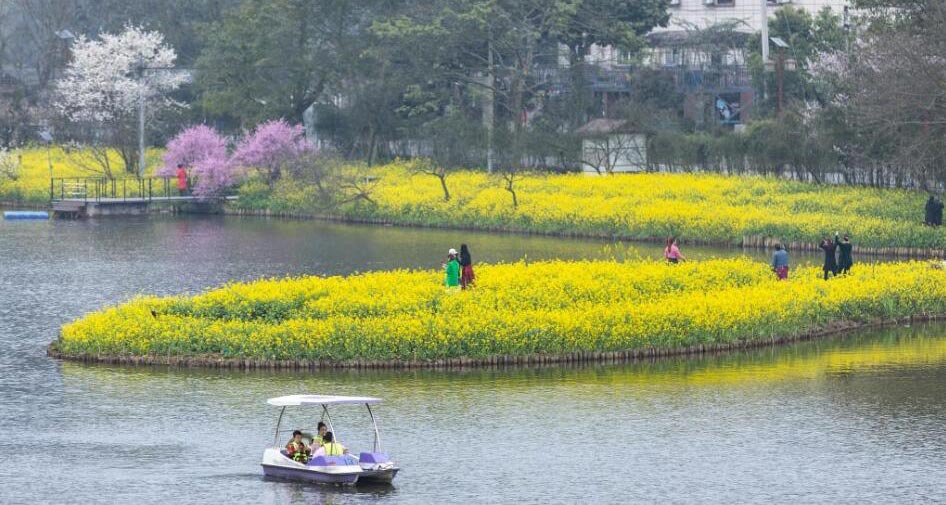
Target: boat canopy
x=299 y=400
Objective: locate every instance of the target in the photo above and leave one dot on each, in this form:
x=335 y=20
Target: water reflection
x=863 y=402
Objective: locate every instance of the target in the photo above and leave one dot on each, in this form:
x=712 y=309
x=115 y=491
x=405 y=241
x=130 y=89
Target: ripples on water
x=856 y=419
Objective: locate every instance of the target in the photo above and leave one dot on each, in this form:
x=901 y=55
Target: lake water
x=858 y=419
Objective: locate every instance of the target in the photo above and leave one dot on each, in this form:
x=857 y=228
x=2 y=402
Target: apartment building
x=748 y=13
x=716 y=77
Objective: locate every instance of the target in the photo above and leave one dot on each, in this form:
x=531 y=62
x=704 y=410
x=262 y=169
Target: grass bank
x=698 y=208
x=518 y=312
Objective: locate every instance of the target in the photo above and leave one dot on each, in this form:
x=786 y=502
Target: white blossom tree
x=9 y=164
x=107 y=80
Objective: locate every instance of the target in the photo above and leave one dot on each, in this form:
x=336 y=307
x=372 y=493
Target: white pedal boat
x=368 y=467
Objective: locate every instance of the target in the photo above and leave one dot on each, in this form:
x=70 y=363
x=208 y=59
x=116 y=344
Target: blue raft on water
x=25 y=214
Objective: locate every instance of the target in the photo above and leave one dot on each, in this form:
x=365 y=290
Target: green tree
x=808 y=37
x=499 y=58
x=274 y=59
x=889 y=108
x=581 y=24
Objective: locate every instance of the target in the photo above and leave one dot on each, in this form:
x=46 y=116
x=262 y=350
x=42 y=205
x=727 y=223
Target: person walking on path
x=181 y=179
x=830 y=260
x=466 y=267
x=928 y=220
x=452 y=269
x=845 y=255
x=780 y=262
x=672 y=252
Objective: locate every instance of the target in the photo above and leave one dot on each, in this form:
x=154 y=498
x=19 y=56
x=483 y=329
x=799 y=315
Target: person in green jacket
x=452 y=268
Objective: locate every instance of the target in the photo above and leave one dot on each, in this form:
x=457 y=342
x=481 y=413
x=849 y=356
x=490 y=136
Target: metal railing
x=713 y=79
x=97 y=189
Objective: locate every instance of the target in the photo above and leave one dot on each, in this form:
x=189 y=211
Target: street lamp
x=781 y=64
x=48 y=138
x=144 y=93
x=141 y=118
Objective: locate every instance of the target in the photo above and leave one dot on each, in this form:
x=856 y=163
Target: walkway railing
x=101 y=188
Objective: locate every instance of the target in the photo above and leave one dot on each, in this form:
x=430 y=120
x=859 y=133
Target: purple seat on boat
x=345 y=459
x=373 y=457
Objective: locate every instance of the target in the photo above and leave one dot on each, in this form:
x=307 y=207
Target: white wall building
x=608 y=146
x=703 y=13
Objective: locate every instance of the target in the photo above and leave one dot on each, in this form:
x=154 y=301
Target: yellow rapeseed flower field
x=695 y=207
x=553 y=307
x=30 y=181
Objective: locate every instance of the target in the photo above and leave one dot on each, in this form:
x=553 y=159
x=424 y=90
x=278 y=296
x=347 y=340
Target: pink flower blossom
x=213 y=175
x=271 y=146
x=203 y=152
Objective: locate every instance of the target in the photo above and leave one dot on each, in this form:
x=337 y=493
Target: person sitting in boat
x=296 y=448
x=316 y=440
x=330 y=447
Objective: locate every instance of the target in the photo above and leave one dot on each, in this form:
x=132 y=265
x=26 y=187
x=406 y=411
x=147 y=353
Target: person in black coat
x=845 y=255
x=930 y=204
x=937 y=212
x=830 y=259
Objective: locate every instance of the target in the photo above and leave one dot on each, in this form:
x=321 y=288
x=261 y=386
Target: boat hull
x=320 y=470
x=310 y=475
x=385 y=476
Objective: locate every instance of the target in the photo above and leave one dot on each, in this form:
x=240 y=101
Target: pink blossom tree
x=270 y=147
x=204 y=152
x=213 y=176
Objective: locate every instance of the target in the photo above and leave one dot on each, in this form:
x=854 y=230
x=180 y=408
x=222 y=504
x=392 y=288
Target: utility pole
x=490 y=105
x=847 y=32
x=141 y=136
x=765 y=31
x=47 y=137
x=780 y=80
x=765 y=48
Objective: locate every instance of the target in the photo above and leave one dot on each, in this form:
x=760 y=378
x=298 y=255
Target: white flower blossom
x=9 y=164
x=107 y=77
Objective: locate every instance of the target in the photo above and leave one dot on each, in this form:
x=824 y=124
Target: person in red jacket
x=466 y=267
x=181 y=179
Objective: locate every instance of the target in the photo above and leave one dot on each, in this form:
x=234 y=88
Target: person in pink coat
x=672 y=252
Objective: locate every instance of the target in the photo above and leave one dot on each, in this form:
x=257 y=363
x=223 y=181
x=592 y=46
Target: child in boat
x=296 y=448
x=317 y=439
